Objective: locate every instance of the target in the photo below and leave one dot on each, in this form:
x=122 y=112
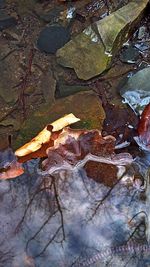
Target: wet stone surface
x=52 y=38
x=130 y=55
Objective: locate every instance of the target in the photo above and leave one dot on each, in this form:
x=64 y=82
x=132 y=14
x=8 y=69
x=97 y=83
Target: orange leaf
x=38 y=145
x=15 y=169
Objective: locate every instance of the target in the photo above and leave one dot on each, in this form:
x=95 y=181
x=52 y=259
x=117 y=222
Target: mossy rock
x=85 y=106
x=91 y=52
x=86 y=57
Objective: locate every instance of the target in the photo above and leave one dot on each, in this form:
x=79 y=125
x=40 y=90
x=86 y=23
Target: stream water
x=60 y=216
x=64 y=219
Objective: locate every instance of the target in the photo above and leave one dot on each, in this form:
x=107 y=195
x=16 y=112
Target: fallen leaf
x=73 y=146
x=120 y=122
x=38 y=145
x=144 y=123
x=143 y=138
x=15 y=169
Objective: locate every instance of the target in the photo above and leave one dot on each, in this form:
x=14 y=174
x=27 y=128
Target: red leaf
x=144 y=127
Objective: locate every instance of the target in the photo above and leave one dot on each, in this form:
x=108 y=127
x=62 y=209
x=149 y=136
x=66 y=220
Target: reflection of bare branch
x=61 y=227
x=38 y=190
x=132 y=234
x=100 y=202
x=134 y=231
x=86 y=188
x=40 y=229
x=49 y=242
x=142 y=211
x=48 y=184
x=59 y=209
x=5 y=256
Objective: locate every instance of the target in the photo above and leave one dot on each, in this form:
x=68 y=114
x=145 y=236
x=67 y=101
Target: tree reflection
x=73 y=204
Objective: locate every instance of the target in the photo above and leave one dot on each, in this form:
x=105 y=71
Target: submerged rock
x=66 y=90
x=136 y=90
x=2 y=3
x=52 y=38
x=6 y=21
x=129 y=55
x=91 y=52
x=85 y=106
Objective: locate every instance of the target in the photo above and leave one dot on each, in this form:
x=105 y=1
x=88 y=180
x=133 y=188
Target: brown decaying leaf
x=118 y=121
x=73 y=145
x=102 y=172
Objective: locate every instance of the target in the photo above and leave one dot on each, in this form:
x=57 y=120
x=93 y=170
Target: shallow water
x=66 y=219
x=63 y=218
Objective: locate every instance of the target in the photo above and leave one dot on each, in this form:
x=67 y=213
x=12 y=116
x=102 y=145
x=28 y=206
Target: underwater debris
x=143 y=138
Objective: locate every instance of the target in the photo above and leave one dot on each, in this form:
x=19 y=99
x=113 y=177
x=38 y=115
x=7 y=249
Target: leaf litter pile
x=67 y=157
x=61 y=147
x=71 y=149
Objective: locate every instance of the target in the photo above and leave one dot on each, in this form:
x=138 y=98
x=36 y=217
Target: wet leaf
x=102 y=173
x=143 y=129
x=120 y=122
x=14 y=170
x=9 y=167
x=144 y=124
x=90 y=150
x=45 y=138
